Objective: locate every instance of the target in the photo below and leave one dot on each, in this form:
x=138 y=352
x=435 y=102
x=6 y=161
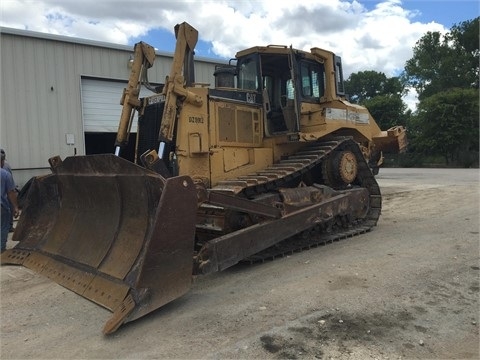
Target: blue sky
x=445 y=12
x=369 y=35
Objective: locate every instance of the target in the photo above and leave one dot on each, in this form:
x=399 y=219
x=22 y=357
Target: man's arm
x=12 y=196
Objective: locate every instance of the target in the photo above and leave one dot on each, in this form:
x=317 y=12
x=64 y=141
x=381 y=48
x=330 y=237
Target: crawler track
x=310 y=160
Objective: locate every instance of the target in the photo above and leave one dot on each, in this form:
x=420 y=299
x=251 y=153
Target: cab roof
x=281 y=50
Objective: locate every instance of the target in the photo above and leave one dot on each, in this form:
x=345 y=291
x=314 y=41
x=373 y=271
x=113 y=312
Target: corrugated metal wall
x=41 y=98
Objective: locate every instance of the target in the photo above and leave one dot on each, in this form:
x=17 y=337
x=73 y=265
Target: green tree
x=447 y=61
x=365 y=85
x=447 y=123
x=388 y=110
x=444 y=70
x=381 y=95
x=466 y=37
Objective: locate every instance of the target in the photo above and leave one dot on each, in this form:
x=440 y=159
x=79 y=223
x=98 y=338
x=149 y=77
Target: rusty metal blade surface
x=111 y=231
x=167 y=261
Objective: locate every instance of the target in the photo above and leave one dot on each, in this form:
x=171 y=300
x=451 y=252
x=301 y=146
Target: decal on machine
x=359 y=118
x=335 y=114
x=342 y=114
x=195 y=119
x=156 y=99
x=251 y=98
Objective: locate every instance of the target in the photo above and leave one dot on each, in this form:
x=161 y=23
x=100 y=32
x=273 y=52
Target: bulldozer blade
x=111 y=231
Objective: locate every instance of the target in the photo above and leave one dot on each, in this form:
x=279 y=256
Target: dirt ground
x=408 y=289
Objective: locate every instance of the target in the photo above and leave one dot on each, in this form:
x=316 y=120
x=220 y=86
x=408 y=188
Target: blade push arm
x=174 y=89
x=144 y=56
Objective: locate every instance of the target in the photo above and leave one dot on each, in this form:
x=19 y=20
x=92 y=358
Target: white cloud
x=379 y=39
x=411 y=99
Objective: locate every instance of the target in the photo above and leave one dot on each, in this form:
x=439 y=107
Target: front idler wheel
x=346 y=166
x=341 y=169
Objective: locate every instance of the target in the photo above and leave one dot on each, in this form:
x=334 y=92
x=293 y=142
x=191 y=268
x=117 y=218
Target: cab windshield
x=248 y=73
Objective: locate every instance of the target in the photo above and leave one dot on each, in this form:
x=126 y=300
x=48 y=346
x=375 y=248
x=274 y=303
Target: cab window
x=248 y=74
x=312 y=80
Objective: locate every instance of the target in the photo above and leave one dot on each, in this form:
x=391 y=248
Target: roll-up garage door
x=101 y=105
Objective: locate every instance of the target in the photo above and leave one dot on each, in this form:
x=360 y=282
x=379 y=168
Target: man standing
x=8 y=193
x=7 y=167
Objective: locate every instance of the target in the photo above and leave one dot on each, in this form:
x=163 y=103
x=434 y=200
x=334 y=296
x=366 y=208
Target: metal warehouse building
x=61 y=96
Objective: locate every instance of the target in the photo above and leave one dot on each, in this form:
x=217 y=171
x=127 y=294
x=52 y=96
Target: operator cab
x=282 y=78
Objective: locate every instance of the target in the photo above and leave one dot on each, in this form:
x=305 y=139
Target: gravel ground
x=408 y=289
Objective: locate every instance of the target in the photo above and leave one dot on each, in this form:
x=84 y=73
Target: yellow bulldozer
x=271 y=160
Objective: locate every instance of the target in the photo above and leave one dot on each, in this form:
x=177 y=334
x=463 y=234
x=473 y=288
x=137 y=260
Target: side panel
x=340 y=117
x=238 y=125
x=237 y=146
x=193 y=140
x=223 y=168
